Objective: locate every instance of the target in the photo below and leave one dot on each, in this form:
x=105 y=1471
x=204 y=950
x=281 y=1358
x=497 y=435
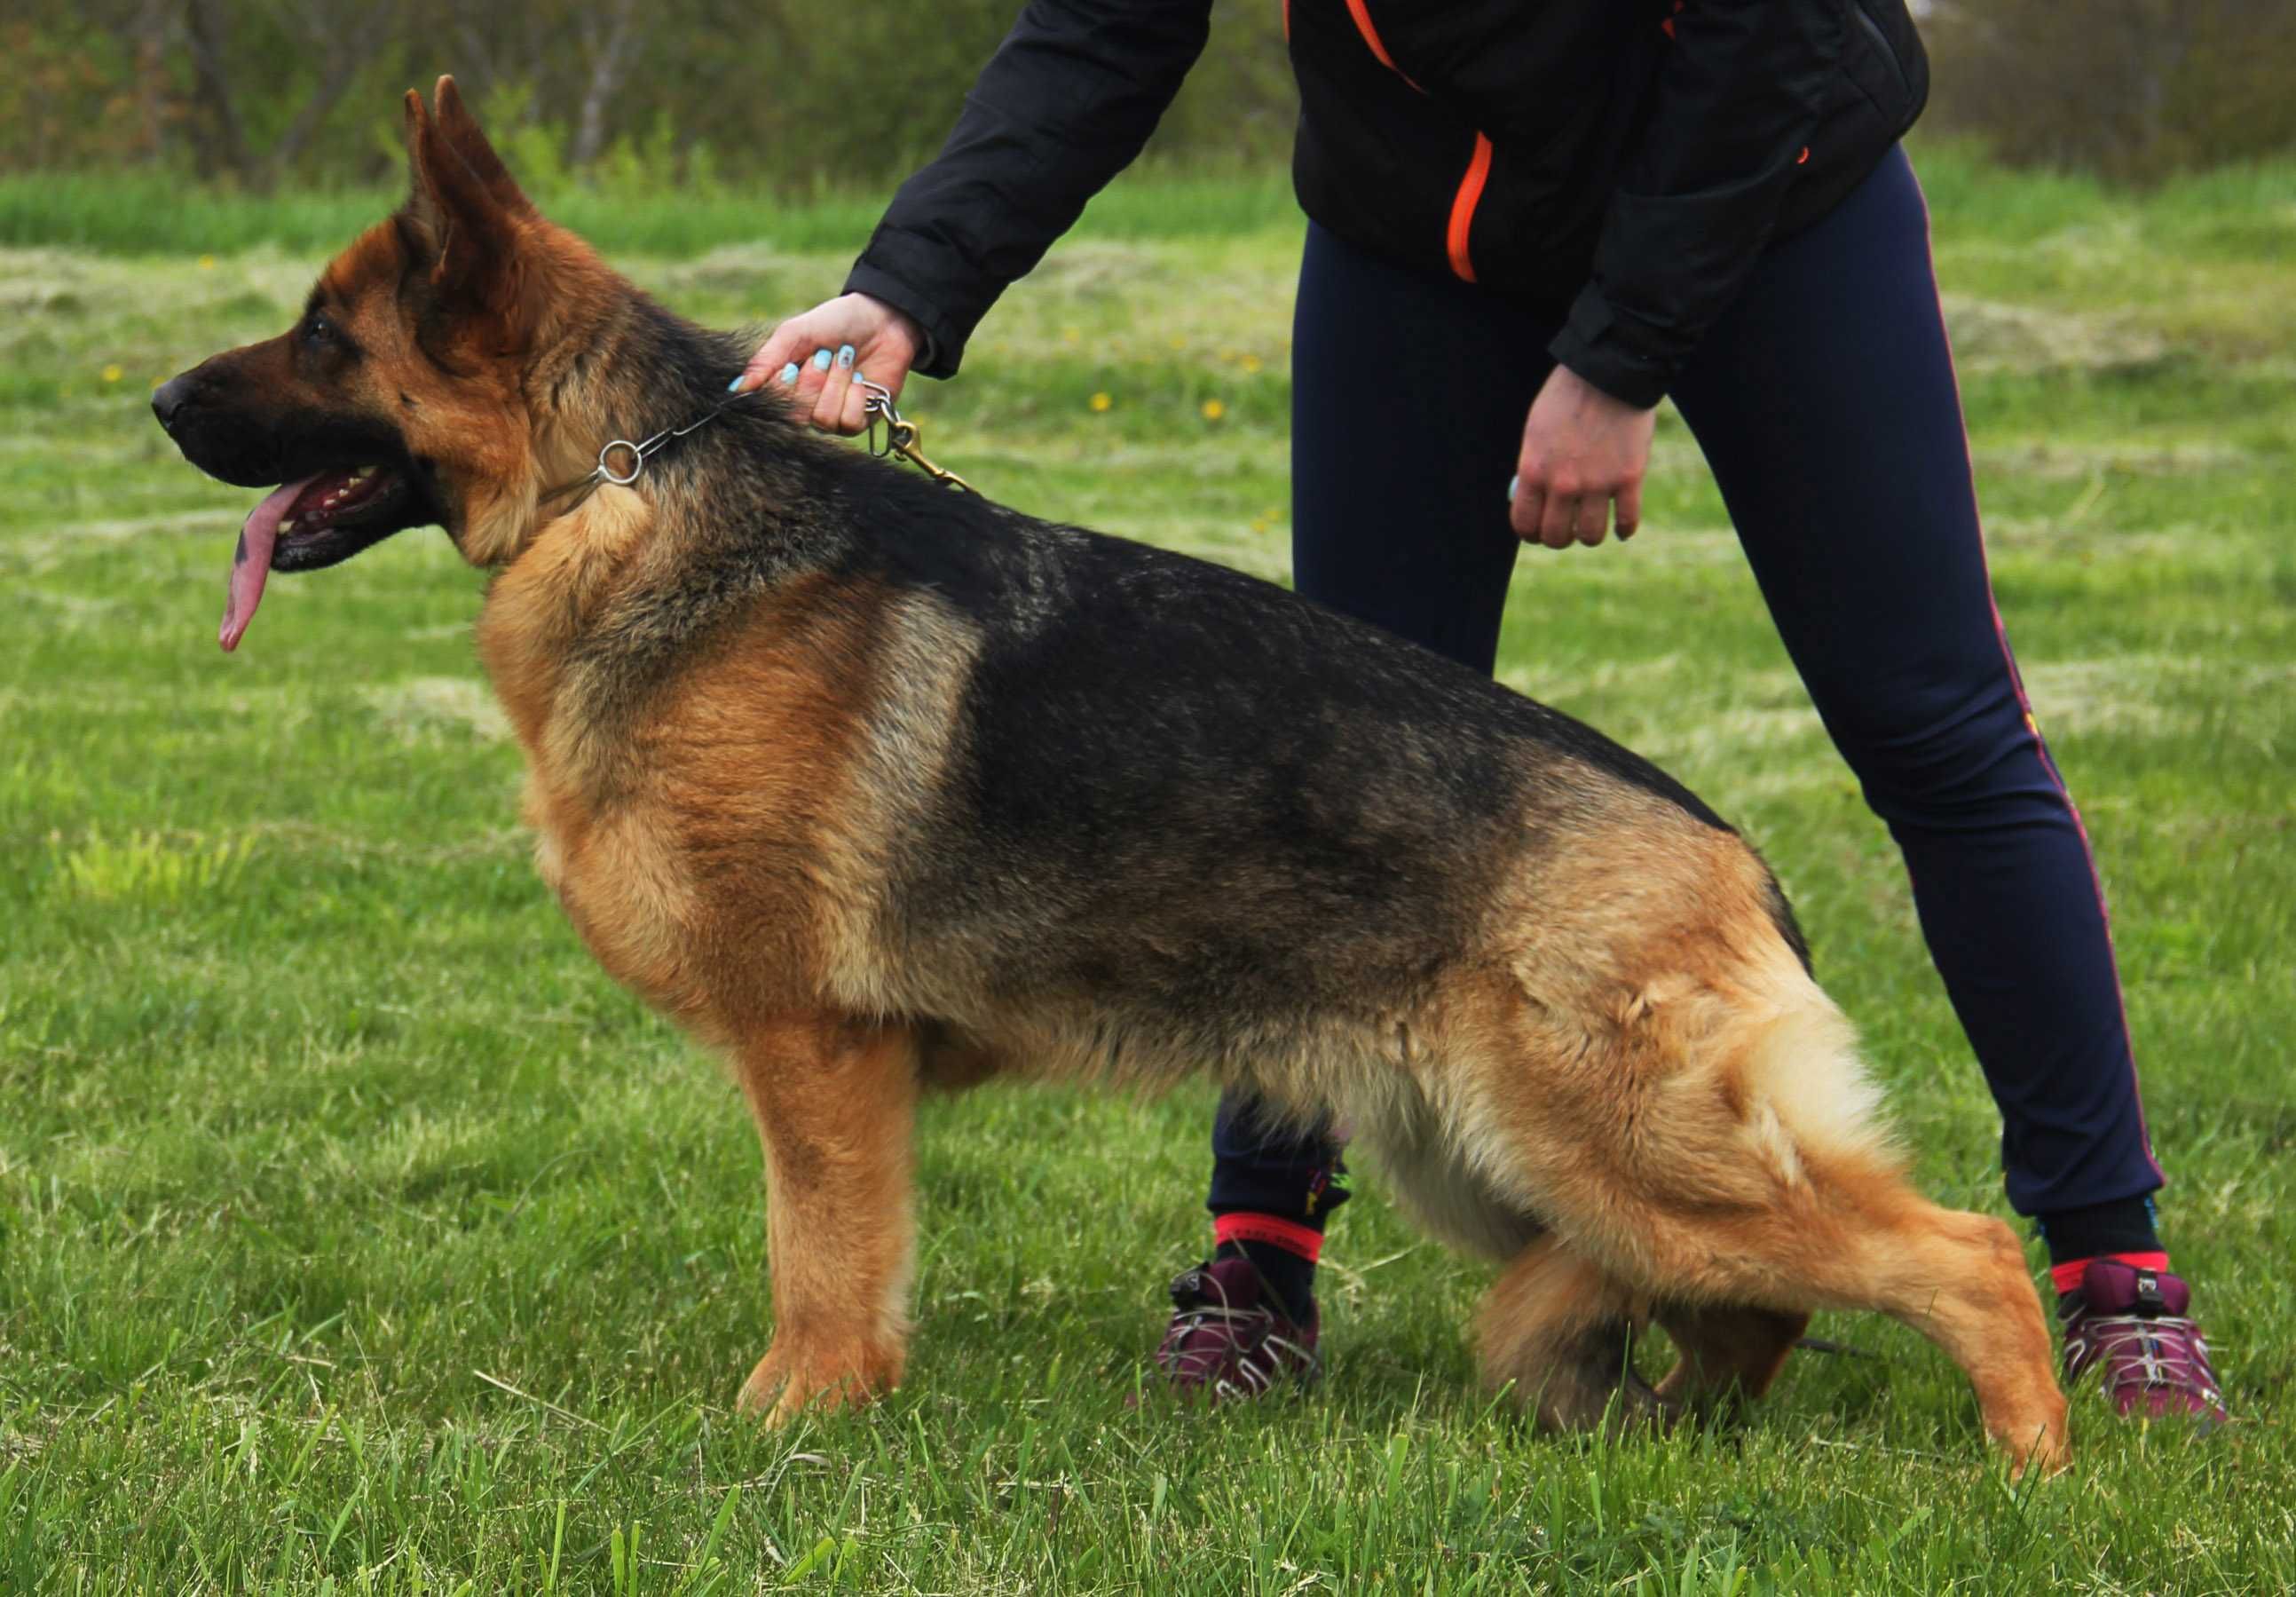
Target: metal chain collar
x=637 y=454
x=901 y=439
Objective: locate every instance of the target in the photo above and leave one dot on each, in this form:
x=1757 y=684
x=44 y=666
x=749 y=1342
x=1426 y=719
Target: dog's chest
x=719 y=844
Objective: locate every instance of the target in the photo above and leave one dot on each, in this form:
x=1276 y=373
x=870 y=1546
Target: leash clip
x=901 y=435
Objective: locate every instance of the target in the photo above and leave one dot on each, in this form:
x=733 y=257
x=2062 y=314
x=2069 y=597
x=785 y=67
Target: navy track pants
x=1825 y=404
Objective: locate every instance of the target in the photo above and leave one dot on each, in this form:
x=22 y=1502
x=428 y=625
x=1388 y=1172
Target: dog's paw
x=2035 y=1441
x=1618 y=1405
x=1635 y=1405
x=794 y=1378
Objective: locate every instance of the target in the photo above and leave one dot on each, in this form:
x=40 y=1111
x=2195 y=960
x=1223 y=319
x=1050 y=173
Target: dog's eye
x=317 y=331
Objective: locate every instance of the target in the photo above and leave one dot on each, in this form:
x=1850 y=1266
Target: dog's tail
x=1805 y=1089
x=1780 y=1054
x=1733 y=1072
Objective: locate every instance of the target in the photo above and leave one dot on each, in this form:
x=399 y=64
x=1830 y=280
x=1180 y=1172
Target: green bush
x=799 y=95
x=2134 y=91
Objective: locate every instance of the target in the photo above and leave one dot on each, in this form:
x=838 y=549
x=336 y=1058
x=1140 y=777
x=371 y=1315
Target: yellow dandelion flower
x=1272 y=514
x=113 y=373
x=1250 y=362
x=1071 y=335
x=1100 y=401
x=1213 y=410
x=206 y=263
x=1178 y=343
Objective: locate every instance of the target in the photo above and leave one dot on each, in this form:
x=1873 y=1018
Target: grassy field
x=357 y=1234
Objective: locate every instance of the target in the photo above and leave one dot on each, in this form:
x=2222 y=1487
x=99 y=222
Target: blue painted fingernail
x=821 y=360
x=1513 y=483
x=788 y=373
x=845 y=354
x=735 y=387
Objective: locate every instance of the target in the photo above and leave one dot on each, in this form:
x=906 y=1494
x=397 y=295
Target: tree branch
x=608 y=64
x=345 y=50
x=224 y=141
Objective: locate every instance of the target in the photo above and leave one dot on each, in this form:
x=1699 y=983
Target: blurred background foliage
x=802 y=96
x=2134 y=90
x=799 y=95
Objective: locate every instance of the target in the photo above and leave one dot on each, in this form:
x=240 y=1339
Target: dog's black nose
x=169 y=399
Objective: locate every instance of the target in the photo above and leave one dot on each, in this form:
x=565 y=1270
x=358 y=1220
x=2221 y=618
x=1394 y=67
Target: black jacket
x=1620 y=163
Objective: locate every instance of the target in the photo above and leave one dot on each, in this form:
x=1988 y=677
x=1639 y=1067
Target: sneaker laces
x=2151 y=1352
x=1251 y=1332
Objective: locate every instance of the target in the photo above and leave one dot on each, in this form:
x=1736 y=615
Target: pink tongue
x=250 y=563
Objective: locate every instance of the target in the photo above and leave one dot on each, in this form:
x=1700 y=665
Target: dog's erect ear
x=467 y=215
x=464 y=135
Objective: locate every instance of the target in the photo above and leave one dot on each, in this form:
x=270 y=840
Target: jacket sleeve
x=1737 y=97
x=1064 y=106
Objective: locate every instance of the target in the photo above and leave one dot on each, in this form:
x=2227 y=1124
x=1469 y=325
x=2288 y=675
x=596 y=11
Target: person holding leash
x=1527 y=224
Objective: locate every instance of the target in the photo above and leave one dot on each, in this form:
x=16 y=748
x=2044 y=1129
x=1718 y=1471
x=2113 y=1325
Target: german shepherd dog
x=878 y=787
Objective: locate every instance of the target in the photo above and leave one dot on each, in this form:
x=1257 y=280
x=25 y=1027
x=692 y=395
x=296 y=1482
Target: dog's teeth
x=287 y=524
x=363 y=474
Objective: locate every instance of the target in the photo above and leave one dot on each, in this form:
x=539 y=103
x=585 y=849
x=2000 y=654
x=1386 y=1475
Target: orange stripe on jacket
x=1361 y=12
x=1360 y=9
x=1463 y=210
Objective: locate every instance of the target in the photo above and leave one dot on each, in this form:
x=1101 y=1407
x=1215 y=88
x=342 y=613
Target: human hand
x=816 y=356
x=1581 y=449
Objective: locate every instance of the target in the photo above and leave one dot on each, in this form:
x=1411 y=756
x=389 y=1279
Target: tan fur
x=834 y=1102
x=1626 y=1087
x=1725 y=1355
x=1560 y=1333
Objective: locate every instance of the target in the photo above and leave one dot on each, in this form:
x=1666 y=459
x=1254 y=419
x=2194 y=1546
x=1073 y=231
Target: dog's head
x=401 y=397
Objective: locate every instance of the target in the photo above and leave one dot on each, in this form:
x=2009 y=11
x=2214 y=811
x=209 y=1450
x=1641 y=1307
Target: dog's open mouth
x=303 y=526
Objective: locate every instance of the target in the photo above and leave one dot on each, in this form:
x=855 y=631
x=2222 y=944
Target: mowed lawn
x=356 y=1233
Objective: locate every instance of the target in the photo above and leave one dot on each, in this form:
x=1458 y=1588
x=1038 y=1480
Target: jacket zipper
x=1470 y=193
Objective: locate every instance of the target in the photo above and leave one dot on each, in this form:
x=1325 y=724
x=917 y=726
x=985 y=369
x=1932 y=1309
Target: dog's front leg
x=835 y=1101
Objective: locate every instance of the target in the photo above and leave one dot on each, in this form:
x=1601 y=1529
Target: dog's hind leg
x=1554 y=1330
x=1724 y=1352
x=1862 y=1239
x=836 y=1103
x=1560 y=1334
x=1841 y=1237
x=1726 y=1157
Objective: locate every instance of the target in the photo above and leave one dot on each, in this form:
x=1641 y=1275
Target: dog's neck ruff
x=633 y=456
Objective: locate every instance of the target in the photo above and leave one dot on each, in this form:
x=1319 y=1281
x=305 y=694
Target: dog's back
x=1240 y=811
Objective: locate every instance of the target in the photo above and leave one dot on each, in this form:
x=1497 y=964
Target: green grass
x=354 y=1229
x=144 y=213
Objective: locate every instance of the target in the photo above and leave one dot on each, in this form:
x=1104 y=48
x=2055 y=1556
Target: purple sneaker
x=1228 y=1340
x=2130 y=1322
